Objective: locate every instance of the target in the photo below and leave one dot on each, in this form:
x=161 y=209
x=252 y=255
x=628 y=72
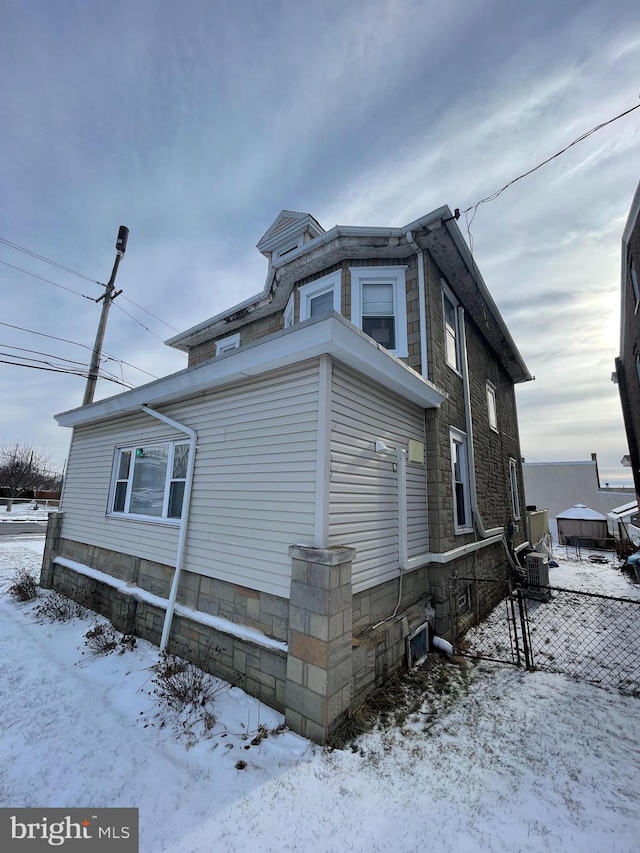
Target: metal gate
x=501 y=618
x=589 y=636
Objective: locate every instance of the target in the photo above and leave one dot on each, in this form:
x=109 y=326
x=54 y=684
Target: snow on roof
x=625 y=509
x=582 y=512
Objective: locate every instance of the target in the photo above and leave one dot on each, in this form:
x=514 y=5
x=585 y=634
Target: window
x=379 y=306
x=491 y=406
x=634 y=282
x=228 y=344
x=149 y=480
x=320 y=296
x=515 y=499
x=288 y=312
x=451 y=332
x=460 y=482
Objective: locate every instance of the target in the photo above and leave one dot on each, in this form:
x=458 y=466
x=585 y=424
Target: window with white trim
x=320 y=296
x=492 y=407
x=227 y=344
x=149 y=480
x=460 y=482
x=288 y=312
x=379 y=306
x=515 y=498
x=451 y=330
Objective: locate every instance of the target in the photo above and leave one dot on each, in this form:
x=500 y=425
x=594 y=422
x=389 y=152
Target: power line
x=77 y=344
x=46 y=260
x=150 y=314
x=107 y=373
x=59 y=370
x=131 y=317
x=580 y=138
x=48 y=280
x=32 y=254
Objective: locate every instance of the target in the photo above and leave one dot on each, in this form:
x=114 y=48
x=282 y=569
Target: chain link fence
x=589 y=636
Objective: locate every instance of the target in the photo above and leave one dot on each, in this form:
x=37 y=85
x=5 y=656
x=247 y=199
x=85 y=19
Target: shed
x=583 y=525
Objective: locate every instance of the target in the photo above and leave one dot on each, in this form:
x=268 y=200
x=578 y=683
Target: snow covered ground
x=495 y=760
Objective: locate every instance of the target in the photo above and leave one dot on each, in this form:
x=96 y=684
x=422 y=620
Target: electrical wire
x=77 y=344
x=47 y=260
x=150 y=314
x=84 y=375
x=59 y=266
x=131 y=317
x=107 y=373
x=48 y=280
x=580 y=138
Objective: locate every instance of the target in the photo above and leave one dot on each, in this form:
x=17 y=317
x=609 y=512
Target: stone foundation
x=336 y=646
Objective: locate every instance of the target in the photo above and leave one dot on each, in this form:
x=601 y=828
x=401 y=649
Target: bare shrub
x=59 y=608
x=24 y=586
x=180 y=684
x=103 y=639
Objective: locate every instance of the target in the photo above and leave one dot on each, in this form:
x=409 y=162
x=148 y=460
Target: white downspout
x=422 y=306
x=473 y=492
x=184 y=518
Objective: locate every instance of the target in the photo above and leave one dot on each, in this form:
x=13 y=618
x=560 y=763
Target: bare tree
x=23 y=468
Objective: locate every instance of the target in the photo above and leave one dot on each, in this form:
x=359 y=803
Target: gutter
x=184 y=518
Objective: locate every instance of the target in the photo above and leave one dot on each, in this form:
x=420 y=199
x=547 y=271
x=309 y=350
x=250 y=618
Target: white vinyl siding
x=253 y=489
x=363 y=503
x=87 y=490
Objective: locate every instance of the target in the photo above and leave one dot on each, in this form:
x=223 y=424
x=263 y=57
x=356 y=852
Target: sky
x=195 y=125
x=495 y=759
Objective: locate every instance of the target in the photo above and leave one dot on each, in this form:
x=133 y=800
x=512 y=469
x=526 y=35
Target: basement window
x=149 y=481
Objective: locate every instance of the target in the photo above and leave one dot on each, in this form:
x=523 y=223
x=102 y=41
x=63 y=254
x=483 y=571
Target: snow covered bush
x=24 y=586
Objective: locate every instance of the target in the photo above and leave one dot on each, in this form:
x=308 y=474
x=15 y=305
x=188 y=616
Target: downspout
x=473 y=492
x=422 y=305
x=184 y=518
x=422 y=308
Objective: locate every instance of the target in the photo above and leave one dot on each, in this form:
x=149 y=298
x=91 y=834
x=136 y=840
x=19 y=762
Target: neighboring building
x=554 y=486
x=339 y=447
x=627 y=373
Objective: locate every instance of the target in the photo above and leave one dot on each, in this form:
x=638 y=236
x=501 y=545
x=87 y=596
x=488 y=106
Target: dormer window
x=286 y=250
x=320 y=296
x=379 y=306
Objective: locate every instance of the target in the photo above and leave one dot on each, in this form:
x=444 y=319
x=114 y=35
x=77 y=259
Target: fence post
x=522 y=606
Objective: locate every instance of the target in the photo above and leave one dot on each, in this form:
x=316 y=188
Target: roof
x=623 y=511
x=331 y=335
x=437 y=232
x=582 y=513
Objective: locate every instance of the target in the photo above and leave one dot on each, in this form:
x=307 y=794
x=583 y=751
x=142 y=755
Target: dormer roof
x=290 y=228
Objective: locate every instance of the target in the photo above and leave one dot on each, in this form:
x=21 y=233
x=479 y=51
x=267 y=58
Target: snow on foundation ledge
x=238 y=631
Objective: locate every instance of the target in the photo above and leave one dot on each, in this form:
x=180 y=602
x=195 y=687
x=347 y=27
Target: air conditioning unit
x=537 y=566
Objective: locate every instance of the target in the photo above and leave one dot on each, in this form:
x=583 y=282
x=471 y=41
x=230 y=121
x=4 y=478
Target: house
x=311 y=498
x=627 y=372
x=554 y=486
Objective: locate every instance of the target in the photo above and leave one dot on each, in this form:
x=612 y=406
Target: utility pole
x=107 y=298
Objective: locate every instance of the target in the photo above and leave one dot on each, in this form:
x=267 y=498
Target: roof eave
x=332 y=335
